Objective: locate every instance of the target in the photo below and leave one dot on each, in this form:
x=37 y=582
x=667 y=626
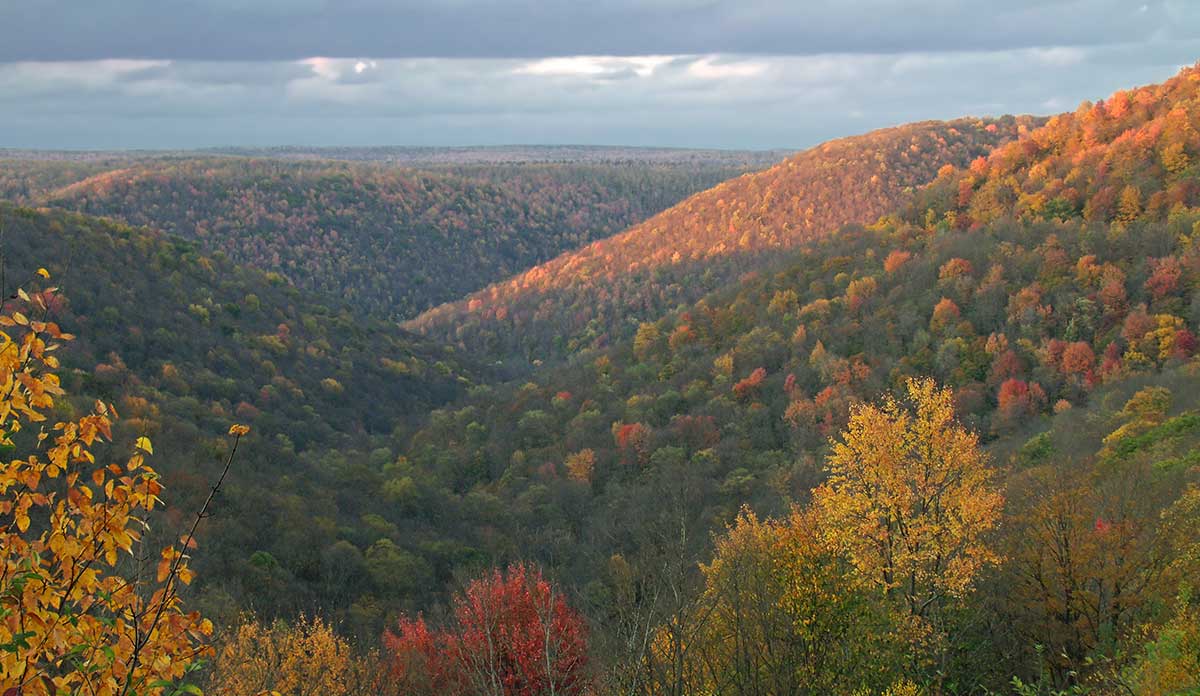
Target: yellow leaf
x=238 y=429
x=143 y=443
x=43 y=273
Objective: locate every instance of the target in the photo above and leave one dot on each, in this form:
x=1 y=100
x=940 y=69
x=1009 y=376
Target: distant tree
x=1078 y=359
x=581 y=465
x=647 y=340
x=1129 y=206
x=1165 y=274
x=945 y=314
x=633 y=442
x=895 y=260
x=1016 y=400
x=748 y=387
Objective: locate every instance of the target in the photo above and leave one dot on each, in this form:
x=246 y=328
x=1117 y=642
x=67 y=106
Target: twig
x=175 y=566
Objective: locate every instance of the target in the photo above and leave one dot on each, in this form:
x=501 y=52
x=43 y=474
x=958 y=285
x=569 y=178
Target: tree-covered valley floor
x=950 y=447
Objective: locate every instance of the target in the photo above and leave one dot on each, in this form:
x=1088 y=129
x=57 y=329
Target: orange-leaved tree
x=84 y=609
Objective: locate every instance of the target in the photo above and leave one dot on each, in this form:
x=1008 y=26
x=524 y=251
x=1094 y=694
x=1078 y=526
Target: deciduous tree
x=512 y=634
x=788 y=615
x=85 y=607
x=911 y=499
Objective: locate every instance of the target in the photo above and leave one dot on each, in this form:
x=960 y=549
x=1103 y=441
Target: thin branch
x=168 y=589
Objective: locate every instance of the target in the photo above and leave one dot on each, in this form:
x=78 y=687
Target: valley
x=908 y=412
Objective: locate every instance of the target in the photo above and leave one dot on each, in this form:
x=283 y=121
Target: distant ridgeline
x=382 y=239
x=598 y=294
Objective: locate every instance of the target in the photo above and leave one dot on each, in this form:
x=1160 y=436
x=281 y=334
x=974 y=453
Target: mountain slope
x=1131 y=156
x=185 y=344
x=612 y=467
x=593 y=295
x=27 y=181
x=384 y=240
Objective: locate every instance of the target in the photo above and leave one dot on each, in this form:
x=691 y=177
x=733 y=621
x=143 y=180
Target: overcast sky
x=707 y=73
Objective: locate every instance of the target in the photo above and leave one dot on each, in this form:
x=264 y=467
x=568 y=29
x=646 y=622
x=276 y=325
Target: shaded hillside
x=384 y=240
x=185 y=344
x=598 y=293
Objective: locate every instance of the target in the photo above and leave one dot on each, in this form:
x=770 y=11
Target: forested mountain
x=950 y=446
x=384 y=240
x=26 y=181
x=184 y=344
x=1127 y=158
x=596 y=294
x=1052 y=286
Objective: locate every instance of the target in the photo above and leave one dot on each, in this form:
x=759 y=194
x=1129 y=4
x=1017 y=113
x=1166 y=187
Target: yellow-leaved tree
x=84 y=608
x=785 y=614
x=911 y=498
x=303 y=659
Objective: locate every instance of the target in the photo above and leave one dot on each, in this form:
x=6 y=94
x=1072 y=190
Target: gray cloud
x=706 y=99
x=293 y=29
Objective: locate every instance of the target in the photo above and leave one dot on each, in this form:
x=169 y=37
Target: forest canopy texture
x=914 y=412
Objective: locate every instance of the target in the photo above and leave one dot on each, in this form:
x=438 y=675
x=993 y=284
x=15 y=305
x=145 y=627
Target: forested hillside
x=384 y=240
x=183 y=344
x=27 y=181
x=1066 y=331
x=599 y=293
x=1129 y=157
x=950 y=447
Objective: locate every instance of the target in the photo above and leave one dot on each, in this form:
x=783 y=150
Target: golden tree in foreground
x=910 y=498
x=786 y=615
x=82 y=610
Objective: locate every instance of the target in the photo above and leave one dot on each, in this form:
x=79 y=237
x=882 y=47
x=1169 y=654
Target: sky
x=738 y=74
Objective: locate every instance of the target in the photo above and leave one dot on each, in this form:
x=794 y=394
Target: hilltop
x=599 y=293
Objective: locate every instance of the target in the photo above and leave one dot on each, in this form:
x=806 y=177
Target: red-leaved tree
x=512 y=634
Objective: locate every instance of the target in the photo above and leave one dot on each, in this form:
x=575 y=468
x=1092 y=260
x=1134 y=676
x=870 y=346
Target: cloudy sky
x=705 y=73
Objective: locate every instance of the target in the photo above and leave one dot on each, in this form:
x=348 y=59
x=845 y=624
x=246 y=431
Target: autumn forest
x=911 y=412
